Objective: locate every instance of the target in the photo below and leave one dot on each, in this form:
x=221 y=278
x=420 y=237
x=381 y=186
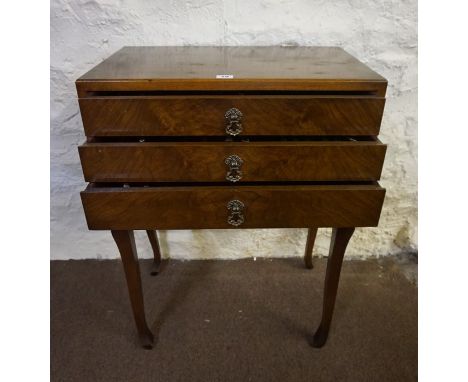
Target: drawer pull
x=234 y=163
x=235 y=207
x=233 y=124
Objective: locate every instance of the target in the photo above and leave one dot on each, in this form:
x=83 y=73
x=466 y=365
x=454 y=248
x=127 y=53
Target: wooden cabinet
x=231 y=137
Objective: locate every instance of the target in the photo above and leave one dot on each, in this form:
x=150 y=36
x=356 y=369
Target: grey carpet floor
x=239 y=320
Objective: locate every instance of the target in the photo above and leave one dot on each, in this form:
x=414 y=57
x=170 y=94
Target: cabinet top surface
x=192 y=63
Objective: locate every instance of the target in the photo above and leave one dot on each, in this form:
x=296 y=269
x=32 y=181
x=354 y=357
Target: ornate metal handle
x=235 y=217
x=234 y=163
x=233 y=121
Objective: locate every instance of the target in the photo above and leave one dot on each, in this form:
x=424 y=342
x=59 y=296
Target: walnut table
x=231 y=137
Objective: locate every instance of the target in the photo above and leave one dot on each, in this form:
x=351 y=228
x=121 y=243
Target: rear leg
x=153 y=238
x=311 y=235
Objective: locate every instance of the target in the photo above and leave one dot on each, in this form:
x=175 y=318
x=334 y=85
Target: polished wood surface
x=261 y=68
x=205 y=115
x=205 y=161
x=155 y=121
x=339 y=242
x=205 y=207
x=125 y=241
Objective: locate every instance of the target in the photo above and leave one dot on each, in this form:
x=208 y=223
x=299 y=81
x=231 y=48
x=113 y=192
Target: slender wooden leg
x=153 y=238
x=339 y=242
x=126 y=243
x=312 y=233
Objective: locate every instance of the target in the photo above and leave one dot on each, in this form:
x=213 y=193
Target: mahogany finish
x=339 y=242
x=205 y=161
x=204 y=207
x=253 y=68
x=204 y=116
x=125 y=241
x=231 y=137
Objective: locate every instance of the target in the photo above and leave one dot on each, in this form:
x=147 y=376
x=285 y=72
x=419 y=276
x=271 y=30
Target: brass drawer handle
x=233 y=121
x=234 y=163
x=235 y=207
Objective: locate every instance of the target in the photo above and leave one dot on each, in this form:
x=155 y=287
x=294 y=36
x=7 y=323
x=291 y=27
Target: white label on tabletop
x=224 y=76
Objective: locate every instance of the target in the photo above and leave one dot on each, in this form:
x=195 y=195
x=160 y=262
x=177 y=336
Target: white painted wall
x=382 y=34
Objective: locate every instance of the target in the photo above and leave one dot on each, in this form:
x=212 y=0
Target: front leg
x=153 y=238
x=125 y=241
x=339 y=242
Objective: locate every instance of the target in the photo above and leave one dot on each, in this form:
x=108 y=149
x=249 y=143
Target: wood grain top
x=251 y=68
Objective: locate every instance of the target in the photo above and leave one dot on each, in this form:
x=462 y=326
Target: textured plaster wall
x=383 y=34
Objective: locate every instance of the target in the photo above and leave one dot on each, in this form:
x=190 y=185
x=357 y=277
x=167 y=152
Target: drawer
x=232 y=161
x=247 y=115
x=202 y=207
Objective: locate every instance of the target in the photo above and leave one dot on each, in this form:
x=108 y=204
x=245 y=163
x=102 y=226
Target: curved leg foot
x=312 y=233
x=146 y=340
x=155 y=269
x=153 y=238
x=125 y=241
x=339 y=242
x=320 y=338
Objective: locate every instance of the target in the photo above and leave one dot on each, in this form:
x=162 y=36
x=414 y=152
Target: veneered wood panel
x=206 y=207
x=205 y=115
x=205 y=161
x=251 y=68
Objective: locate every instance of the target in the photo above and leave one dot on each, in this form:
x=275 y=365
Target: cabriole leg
x=339 y=242
x=153 y=238
x=312 y=233
x=125 y=241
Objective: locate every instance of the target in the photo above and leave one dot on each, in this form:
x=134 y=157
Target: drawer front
x=260 y=115
x=232 y=161
x=232 y=207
